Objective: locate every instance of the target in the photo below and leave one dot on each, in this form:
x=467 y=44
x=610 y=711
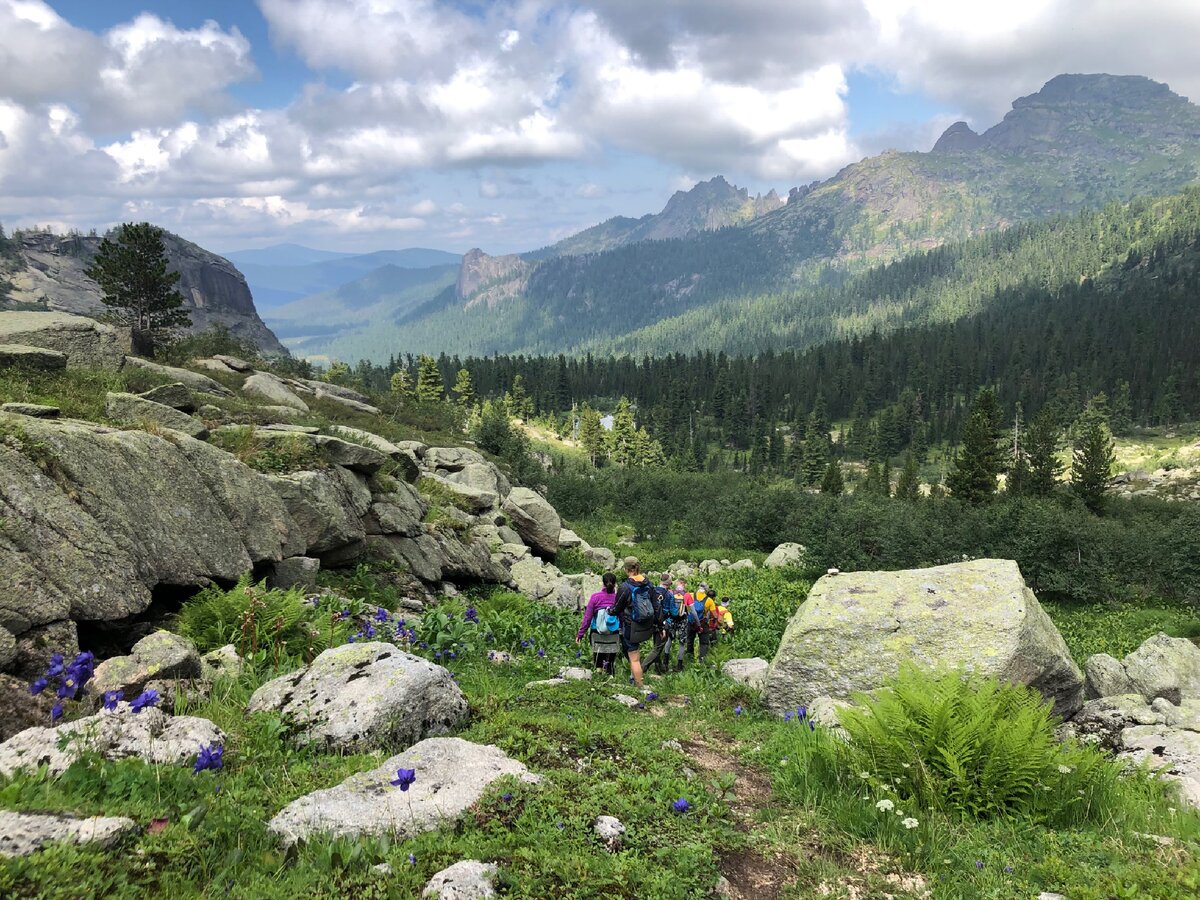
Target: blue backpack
x=643 y=606
x=605 y=622
x=669 y=603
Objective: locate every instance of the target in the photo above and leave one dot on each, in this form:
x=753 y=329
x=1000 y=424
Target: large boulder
x=855 y=630
x=451 y=775
x=399 y=511
x=482 y=477
x=24 y=833
x=545 y=583
x=1166 y=667
x=785 y=556
x=1105 y=677
x=475 y=500
x=267 y=387
x=444 y=460
x=534 y=519
x=132 y=409
x=114 y=514
x=156 y=657
x=197 y=382
x=327 y=506
x=176 y=395
x=88 y=344
x=360 y=697
x=149 y=734
x=751 y=672
x=20 y=709
x=33 y=359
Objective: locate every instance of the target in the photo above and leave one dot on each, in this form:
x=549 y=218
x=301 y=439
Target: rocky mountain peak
x=479 y=270
x=958 y=136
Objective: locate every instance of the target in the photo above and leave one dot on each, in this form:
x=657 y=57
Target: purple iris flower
x=112 y=698
x=404 y=778
x=38 y=685
x=144 y=699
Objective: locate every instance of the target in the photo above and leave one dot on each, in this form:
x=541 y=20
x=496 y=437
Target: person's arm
x=622 y=601
x=589 y=614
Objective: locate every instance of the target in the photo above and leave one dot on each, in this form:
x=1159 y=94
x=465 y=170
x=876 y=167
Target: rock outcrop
x=1162 y=666
x=786 y=555
x=360 y=697
x=24 y=833
x=214 y=291
x=855 y=630
x=451 y=775
x=467 y=879
x=158 y=656
x=86 y=343
x=534 y=519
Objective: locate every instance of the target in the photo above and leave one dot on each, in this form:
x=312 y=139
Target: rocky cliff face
x=50 y=273
x=487 y=279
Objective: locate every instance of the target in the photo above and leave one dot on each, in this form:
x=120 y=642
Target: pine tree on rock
x=980 y=458
x=430 y=387
x=1091 y=463
x=140 y=293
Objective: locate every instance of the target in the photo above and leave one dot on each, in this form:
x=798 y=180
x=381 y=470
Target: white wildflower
x=906 y=765
x=864 y=774
x=1064 y=770
x=885 y=805
x=910 y=823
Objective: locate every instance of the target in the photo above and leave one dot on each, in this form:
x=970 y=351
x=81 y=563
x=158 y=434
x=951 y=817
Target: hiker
x=703 y=623
x=603 y=626
x=640 y=614
x=660 y=656
x=675 y=616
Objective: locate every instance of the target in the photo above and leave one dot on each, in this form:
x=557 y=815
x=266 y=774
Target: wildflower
x=56 y=666
x=144 y=699
x=864 y=775
x=471 y=615
x=38 y=685
x=979 y=864
x=801 y=712
x=1065 y=770
x=737 y=710
x=437 y=654
x=653 y=695
x=112 y=698
x=812 y=726
x=506 y=797
x=905 y=765
x=56 y=711
x=885 y=805
x=382 y=615
x=787 y=716
x=525 y=644
x=370 y=631
x=210 y=757
x=578 y=654
x=412 y=859
x=424 y=645
x=681 y=806
x=910 y=823
x=542 y=653
x=560 y=825
x=1008 y=870
x=452 y=654
x=404 y=778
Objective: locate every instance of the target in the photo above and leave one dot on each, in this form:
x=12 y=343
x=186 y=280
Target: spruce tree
x=464 y=388
x=1091 y=463
x=1121 y=417
x=908 y=486
x=401 y=384
x=833 y=483
x=592 y=436
x=1041 y=451
x=816 y=451
x=430 y=386
x=979 y=459
x=623 y=435
x=140 y=293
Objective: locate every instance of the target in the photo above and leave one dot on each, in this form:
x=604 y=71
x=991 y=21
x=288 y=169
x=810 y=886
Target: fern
x=976 y=747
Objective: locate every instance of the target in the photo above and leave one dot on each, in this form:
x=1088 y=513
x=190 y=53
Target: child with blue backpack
x=604 y=627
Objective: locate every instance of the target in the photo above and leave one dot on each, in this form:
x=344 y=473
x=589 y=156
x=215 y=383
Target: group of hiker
x=621 y=618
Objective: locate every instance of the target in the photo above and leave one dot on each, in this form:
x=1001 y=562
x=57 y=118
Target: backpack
x=669 y=603
x=605 y=622
x=643 y=602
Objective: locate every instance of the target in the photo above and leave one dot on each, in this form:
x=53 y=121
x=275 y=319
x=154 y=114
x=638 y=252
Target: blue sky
x=365 y=124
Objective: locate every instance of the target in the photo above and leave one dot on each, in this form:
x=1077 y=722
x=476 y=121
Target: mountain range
x=626 y=284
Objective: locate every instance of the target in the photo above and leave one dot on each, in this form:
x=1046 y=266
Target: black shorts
x=632 y=638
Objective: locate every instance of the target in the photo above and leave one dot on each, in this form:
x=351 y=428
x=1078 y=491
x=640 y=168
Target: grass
x=751 y=817
x=79 y=393
x=1119 y=628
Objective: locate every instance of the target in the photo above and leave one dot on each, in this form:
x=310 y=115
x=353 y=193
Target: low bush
x=288 y=454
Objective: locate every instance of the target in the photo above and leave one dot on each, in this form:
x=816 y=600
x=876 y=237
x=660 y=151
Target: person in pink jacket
x=605 y=645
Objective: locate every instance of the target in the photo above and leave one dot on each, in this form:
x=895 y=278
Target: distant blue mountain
x=274 y=284
x=283 y=255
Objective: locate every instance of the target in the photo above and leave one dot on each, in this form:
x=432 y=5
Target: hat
x=704 y=586
x=630 y=562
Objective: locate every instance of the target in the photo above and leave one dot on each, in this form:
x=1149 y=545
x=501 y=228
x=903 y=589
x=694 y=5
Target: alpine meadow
x=679 y=450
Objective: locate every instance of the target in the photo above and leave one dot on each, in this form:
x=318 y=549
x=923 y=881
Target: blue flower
x=801 y=712
x=382 y=615
x=471 y=615
x=787 y=716
x=144 y=699
x=979 y=863
x=67 y=689
x=424 y=646
x=56 y=666
x=38 y=685
x=112 y=698
x=370 y=631
x=210 y=757
x=404 y=778
x=452 y=654
x=812 y=726
x=653 y=695
x=681 y=806
x=412 y=860
x=56 y=711
x=437 y=654
x=561 y=825
x=541 y=653
x=506 y=797
x=737 y=710
x=1008 y=870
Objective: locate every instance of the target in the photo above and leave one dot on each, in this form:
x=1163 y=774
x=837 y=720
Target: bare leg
x=635 y=666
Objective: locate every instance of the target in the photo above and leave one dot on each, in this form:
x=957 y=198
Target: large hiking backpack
x=669 y=603
x=643 y=602
x=605 y=622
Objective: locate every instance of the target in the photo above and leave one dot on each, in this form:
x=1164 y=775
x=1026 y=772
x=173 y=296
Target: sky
x=360 y=125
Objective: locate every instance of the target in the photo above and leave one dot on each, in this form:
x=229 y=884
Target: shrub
x=289 y=454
